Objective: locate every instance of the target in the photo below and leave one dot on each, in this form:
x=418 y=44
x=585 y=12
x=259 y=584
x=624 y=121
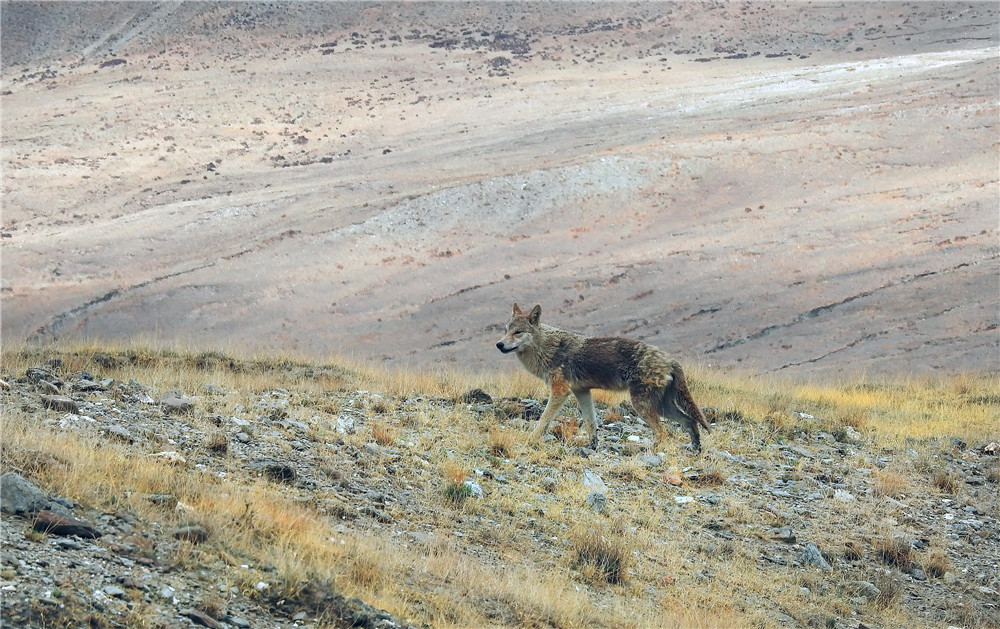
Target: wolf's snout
x=500 y=345
x=503 y=348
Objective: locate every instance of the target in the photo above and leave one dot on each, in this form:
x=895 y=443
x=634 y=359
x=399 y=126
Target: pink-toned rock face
x=723 y=182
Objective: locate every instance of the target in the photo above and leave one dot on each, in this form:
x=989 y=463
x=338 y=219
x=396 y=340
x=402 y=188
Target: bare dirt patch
x=806 y=192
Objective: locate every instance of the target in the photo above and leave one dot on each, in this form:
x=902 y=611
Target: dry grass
x=638 y=566
x=501 y=442
x=890 y=484
x=602 y=553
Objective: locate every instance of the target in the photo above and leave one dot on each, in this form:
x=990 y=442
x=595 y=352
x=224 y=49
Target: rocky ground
x=813 y=524
x=809 y=192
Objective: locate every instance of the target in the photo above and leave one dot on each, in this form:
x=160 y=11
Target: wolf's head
x=520 y=330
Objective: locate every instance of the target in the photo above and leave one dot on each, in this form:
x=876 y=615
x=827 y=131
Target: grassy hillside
x=316 y=480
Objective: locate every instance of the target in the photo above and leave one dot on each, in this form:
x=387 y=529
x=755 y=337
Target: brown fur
x=573 y=363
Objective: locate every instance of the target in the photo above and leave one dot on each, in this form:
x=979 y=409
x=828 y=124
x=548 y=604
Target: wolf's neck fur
x=537 y=357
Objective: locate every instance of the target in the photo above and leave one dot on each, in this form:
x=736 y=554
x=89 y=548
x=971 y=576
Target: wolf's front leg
x=556 y=401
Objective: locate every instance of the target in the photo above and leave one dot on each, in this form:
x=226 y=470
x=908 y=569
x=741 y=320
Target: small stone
x=200 y=618
x=175 y=402
x=169 y=456
x=651 y=460
x=812 y=557
x=55 y=524
x=118 y=433
x=242 y=623
x=375 y=513
x=475 y=489
x=784 y=534
x=68 y=544
x=548 y=483
x=281 y=472
x=597 y=502
x=114 y=591
x=683 y=500
x=299 y=616
x=593 y=481
x=60 y=403
x=46 y=387
x=866 y=589
x=194 y=533
x=842 y=495
x=477 y=396
x=918 y=575
x=167 y=592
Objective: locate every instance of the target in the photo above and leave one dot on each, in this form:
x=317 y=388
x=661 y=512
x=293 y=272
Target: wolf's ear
x=535 y=315
x=517 y=311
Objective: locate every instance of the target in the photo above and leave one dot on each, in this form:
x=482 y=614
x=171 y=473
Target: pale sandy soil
x=809 y=190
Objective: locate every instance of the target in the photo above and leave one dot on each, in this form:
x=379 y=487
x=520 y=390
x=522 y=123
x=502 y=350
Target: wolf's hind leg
x=673 y=410
x=649 y=412
x=586 y=401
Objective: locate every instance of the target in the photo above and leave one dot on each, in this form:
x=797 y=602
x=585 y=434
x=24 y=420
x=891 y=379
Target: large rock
x=60 y=403
x=56 y=524
x=19 y=495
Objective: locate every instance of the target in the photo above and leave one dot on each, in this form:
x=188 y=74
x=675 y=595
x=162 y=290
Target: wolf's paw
x=694 y=448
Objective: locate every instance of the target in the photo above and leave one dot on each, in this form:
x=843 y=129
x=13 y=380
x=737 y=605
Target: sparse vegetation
x=331 y=518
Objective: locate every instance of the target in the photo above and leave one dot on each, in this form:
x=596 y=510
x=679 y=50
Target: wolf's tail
x=678 y=405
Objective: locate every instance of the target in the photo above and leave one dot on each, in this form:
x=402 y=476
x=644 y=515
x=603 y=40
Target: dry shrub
x=711 y=477
x=565 y=429
x=853 y=551
x=945 y=481
x=600 y=554
x=887 y=483
x=856 y=419
x=613 y=416
x=454 y=472
x=631 y=470
x=894 y=550
x=890 y=591
x=362 y=570
x=217 y=441
x=501 y=442
x=935 y=562
x=383 y=432
x=993 y=472
x=455 y=489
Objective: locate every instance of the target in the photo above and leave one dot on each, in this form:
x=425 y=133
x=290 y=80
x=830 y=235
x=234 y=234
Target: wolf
x=573 y=363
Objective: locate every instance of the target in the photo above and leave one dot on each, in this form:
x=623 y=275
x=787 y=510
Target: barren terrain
x=807 y=189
